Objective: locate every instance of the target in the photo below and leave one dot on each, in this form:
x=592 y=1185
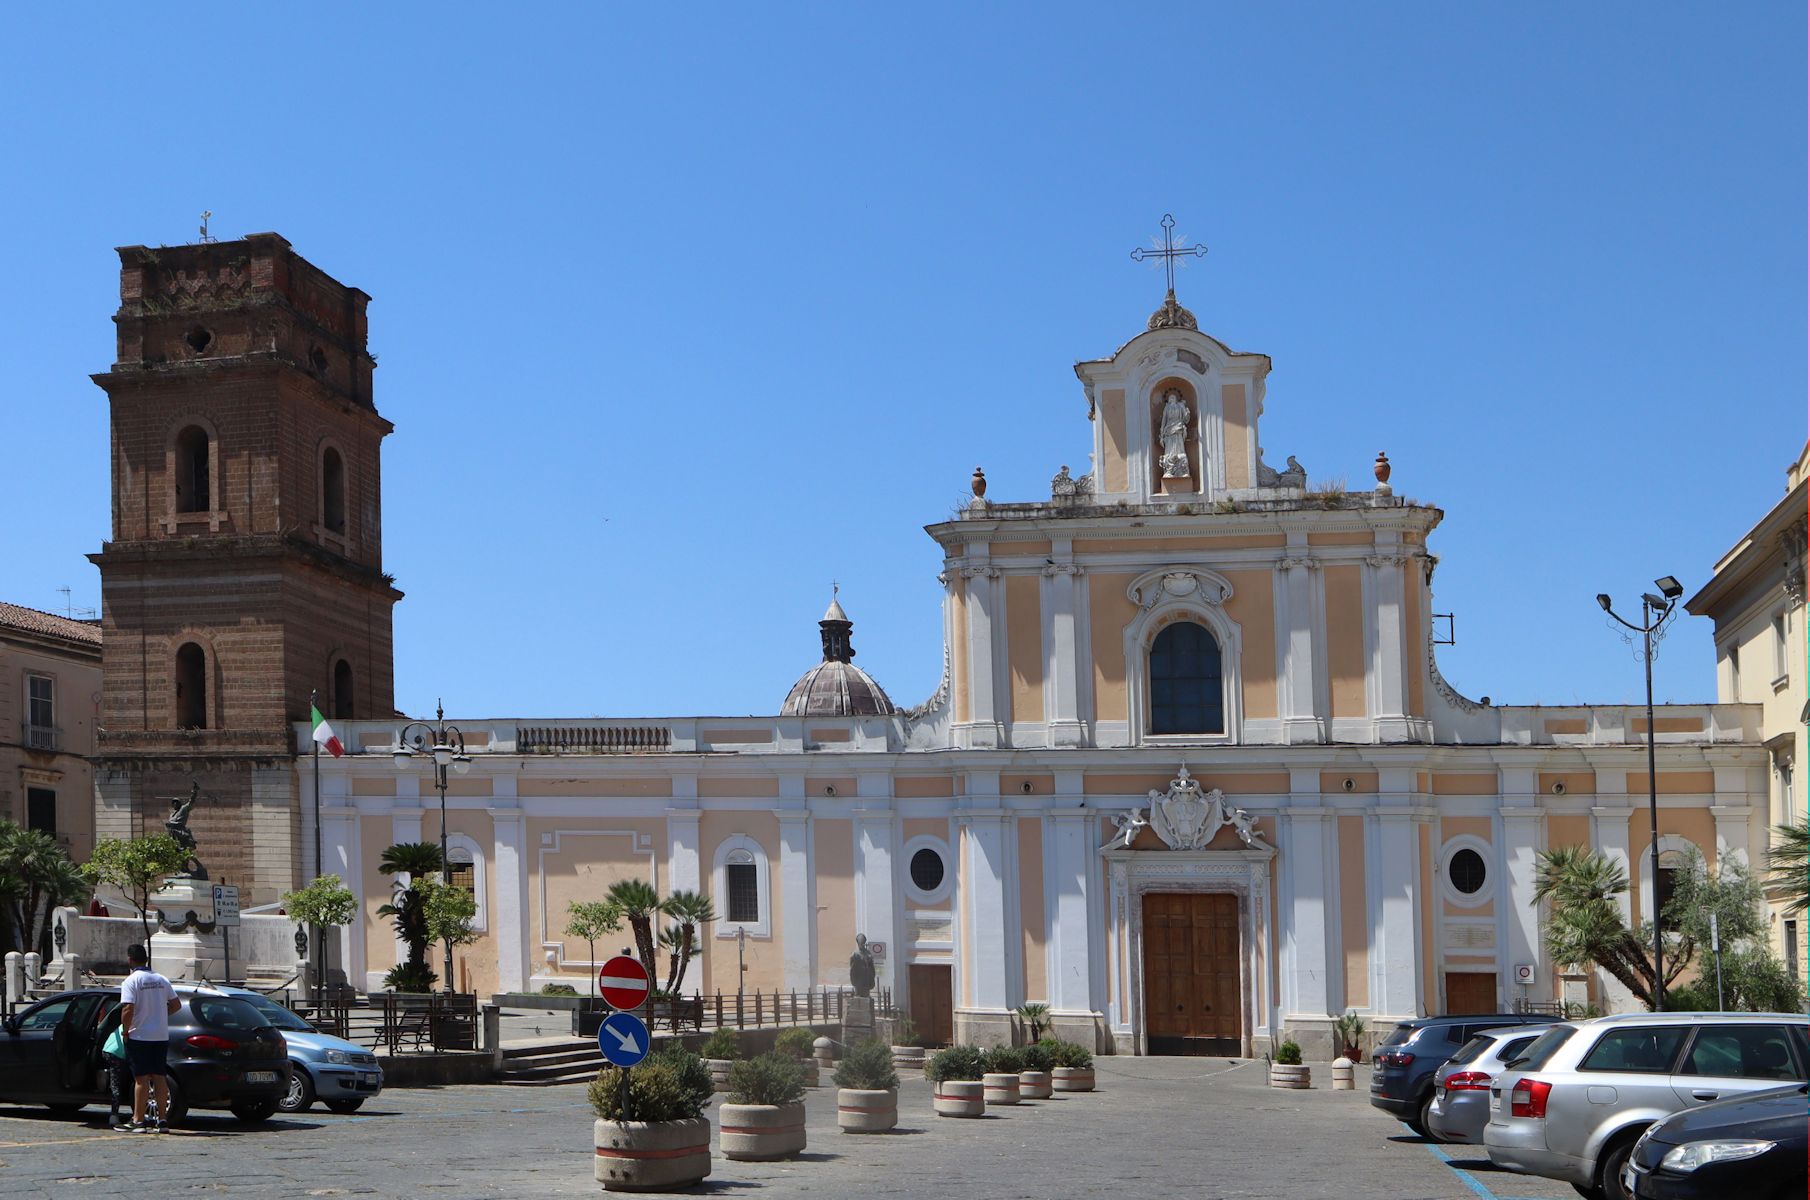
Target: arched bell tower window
x=342 y=690
x=191 y=687
x=1185 y=691
x=333 y=491
x=193 y=492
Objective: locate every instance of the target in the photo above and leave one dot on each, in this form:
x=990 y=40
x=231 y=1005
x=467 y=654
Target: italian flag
x=324 y=737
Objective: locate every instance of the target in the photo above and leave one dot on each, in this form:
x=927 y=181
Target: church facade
x=1192 y=778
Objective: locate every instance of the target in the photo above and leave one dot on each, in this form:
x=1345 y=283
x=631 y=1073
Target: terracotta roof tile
x=13 y=616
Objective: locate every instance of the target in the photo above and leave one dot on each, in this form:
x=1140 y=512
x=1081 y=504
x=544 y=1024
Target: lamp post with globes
x=445 y=745
x=1655 y=611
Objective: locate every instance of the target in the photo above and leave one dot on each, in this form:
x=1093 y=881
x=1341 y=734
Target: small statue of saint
x=1174 y=436
x=861 y=967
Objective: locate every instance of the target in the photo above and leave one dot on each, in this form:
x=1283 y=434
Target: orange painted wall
x=833 y=855
x=529 y=785
x=1124 y=785
x=766 y=961
x=1470 y=783
x=1203 y=545
x=958 y=649
x=583 y=868
x=1112 y=420
x=1030 y=908
x=1354 y=927
x=1237 y=435
x=1673 y=783
x=1577 y=783
x=380 y=936
x=923 y=785
x=1333 y=782
x=1696 y=825
x=1112 y=610
x=737 y=788
x=1567 y=830
x=1345 y=640
x=1024 y=646
x=1253 y=606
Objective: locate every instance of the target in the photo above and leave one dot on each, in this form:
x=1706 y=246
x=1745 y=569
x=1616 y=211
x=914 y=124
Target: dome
x=836 y=687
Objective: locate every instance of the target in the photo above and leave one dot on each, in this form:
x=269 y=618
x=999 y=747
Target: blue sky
x=682 y=316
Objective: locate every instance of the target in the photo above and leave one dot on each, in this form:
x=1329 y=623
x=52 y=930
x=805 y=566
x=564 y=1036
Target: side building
x=50 y=693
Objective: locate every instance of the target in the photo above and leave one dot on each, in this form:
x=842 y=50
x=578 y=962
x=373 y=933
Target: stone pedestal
x=191 y=954
x=857 y=1019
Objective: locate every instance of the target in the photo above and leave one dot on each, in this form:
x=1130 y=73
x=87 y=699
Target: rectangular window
x=1791 y=948
x=1781 y=646
x=1741 y=1052
x=463 y=875
x=40 y=702
x=41 y=810
x=744 y=893
x=1645 y=1050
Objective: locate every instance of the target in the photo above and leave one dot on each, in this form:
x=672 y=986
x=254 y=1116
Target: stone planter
x=999 y=1087
x=859 y=1110
x=1284 y=1076
x=1072 y=1079
x=761 y=1132
x=959 y=1098
x=908 y=1058
x=719 y=1073
x=651 y=1156
x=1034 y=1085
x=809 y=1066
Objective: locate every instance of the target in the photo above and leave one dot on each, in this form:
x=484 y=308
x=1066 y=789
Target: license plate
x=1627 y=1179
x=260 y=1077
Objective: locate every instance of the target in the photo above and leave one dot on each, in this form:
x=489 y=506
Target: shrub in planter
x=1074 y=1069
x=763 y=1117
x=651 y=1134
x=1038 y=1056
x=1034 y=1077
x=1286 y=1071
x=721 y=1050
x=957 y=1073
x=1350 y=1031
x=798 y=1044
x=867 y=1089
x=558 y=989
x=1000 y=1083
x=1289 y=1054
x=907 y=1046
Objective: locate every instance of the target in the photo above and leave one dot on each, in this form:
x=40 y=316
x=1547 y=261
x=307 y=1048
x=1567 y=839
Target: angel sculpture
x=1129 y=825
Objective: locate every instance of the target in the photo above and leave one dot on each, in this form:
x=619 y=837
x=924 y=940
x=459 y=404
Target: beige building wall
x=49 y=761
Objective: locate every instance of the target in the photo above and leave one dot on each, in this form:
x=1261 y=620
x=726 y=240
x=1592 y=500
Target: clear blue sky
x=683 y=313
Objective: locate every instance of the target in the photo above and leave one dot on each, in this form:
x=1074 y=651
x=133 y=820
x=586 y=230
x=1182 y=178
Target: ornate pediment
x=1180 y=584
x=1185 y=818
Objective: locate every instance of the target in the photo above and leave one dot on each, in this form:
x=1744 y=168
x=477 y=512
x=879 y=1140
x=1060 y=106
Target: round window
x=927 y=870
x=1467 y=871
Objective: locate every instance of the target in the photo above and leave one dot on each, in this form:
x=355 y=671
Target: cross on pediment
x=1168 y=252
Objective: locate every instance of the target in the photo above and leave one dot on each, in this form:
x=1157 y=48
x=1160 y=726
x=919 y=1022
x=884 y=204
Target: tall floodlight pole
x=1654 y=612
x=445 y=746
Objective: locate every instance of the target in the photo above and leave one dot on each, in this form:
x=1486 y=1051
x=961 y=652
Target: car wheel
x=300 y=1096
x=179 y=1107
x=1423 y=1124
x=253 y=1111
x=346 y=1106
x=1608 y=1168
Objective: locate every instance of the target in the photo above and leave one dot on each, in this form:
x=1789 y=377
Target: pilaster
x=1295 y=644
x=798 y=906
x=1061 y=582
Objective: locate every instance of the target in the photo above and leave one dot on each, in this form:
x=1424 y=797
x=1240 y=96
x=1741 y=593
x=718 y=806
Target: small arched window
x=333 y=491
x=342 y=690
x=191 y=687
x=192 y=491
x=1185 y=691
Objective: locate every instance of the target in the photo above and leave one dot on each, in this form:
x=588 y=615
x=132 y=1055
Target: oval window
x=927 y=870
x=1467 y=871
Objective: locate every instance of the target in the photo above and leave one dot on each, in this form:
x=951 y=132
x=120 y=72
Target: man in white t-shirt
x=146 y=1004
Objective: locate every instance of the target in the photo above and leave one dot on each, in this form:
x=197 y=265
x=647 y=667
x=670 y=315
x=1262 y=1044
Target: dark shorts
x=147 y=1058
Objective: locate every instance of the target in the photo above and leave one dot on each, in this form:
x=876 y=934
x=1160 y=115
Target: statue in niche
x=861 y=967
x=1174 y=436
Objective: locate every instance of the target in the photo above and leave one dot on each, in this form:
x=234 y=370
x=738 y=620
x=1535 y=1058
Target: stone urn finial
x=1382 y=467
x=979 y=484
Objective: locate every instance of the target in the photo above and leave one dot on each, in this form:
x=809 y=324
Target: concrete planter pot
x=959 y=1098
x=1072 y=1079
x=908 y=1058
x=1034 y=1085
x=651 y=1156
x=1000 y=1087
x=1295 y=1078
x=761 y=1132
x=719 y=1073
x=809 y=1066
x=860 y=1110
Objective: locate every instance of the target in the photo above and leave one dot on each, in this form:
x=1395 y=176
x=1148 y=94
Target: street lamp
x=445 y=745
x=1654 y=612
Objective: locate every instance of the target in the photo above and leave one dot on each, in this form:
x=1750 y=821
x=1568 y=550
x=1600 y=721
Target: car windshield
x=276 y=1014
x=1471 y=1050
x=224 y=1012
x=1535 y=1056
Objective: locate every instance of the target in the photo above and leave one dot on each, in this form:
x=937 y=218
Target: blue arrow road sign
x=623 y=1039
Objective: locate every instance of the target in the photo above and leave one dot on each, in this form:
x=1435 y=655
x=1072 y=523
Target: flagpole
x=320 y=966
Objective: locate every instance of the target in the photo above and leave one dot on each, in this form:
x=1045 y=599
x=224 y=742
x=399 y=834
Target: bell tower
x=245 y=568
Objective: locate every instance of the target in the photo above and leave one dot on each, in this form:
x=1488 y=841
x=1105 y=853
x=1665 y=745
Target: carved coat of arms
x=1186 y=818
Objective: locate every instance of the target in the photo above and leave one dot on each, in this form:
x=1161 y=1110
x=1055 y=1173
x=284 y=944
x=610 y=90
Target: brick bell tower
x=246 y=564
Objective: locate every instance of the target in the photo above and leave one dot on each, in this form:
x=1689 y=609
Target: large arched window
x=193 y=493
x=342 y=690
x=333 y=491
x=741 y=888
x=191 y=687
x=1185 y=691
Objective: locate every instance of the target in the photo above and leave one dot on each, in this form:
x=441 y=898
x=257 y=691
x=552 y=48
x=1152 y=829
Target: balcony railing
x=41 y=737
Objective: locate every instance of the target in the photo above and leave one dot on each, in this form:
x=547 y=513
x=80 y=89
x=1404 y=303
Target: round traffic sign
x=623 y=982
x=623 y=1039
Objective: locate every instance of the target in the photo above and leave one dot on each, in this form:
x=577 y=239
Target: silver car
x=1461 y=1100
x=1573 y=1106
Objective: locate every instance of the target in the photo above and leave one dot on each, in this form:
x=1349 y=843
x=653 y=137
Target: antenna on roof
x=205 y=235
x=67 y=611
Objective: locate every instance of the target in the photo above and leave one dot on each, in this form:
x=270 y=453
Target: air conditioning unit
x=40 y=737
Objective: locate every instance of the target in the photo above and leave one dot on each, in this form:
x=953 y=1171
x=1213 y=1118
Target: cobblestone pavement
x=1202 y=1128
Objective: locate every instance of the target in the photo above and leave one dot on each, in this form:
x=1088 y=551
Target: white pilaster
x=876 y=912
x=511 y=917
x=1305 y=949
x=1070 y=865
x=1388 y=663
x=990 y=943
x=1294 y=606
x=342 y=847
x=986 y=626
x=1061 y=580
x=405 y=826
x=1609 y=834
x=798 y=906
x=1395 y=984
x=1734 y=833
x=1523 y=837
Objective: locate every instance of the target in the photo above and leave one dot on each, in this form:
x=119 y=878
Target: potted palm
x=763 y=1117
x=956 y=1074
x=999 y=1083
x=651 y=1133
x=1286 y=1070
x=797 y=1044
x=721 y=1050
x=1035 y=1018
x=1350 y=1031
x=1074 y=1069
x=1034 y=1079
x=867 y=1090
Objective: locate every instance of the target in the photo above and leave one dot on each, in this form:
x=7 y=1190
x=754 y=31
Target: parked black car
x=1401 y=1083
x=223 y=1054
x=1755 y=1146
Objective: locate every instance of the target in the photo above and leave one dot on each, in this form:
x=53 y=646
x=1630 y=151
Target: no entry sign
x=623 y=982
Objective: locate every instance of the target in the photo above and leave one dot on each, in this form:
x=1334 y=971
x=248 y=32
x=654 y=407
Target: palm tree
x=688 y=910
x=1585 y=926
x=639 y=904
x=36 y=877
x=1788 y=866
x=408 y=908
